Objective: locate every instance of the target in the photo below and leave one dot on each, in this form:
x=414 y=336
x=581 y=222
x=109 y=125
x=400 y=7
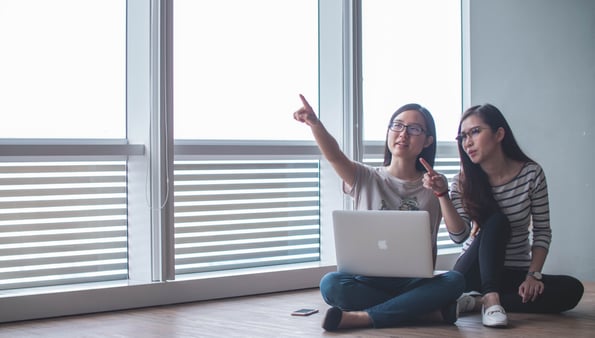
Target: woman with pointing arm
x=364 y=301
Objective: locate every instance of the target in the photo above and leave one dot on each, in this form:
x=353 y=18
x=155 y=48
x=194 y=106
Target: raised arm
x=439 y=185
x=327 y=144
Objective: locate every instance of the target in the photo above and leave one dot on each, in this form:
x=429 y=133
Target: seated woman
x=499 y=207
x=363 y=301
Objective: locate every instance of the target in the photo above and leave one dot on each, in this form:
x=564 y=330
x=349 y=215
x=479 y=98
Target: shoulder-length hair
x=478 y=200
x=429 y=152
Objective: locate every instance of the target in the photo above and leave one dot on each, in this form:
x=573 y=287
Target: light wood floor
x=269 y=316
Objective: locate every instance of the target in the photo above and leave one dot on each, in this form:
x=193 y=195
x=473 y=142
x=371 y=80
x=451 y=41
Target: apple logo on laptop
x=382 y=245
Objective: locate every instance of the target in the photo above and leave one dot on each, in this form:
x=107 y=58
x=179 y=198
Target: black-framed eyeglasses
x=412 y=129
x=473 y=132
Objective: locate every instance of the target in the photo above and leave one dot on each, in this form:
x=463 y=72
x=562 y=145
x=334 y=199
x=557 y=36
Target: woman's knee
x=454 y=277
x=574 y=290
x=330 y=285
x=497 y=224
x=561 y=293
x=454 y=281
x=328 y=279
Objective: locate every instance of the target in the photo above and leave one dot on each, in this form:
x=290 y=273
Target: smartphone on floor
x=304 y=312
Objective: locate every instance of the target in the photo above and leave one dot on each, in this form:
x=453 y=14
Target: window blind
x=62 y=223
x=245 y=213
x=66 y=222
x=232 y=214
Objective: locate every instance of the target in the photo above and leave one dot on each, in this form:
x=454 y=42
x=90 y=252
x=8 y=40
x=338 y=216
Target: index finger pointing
x=305 y=102
x=426 y=165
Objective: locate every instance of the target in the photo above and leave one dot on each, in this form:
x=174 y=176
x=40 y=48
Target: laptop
x=385 y=243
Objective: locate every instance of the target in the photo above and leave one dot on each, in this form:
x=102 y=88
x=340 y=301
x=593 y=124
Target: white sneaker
x=467 y=301
x=494 y=316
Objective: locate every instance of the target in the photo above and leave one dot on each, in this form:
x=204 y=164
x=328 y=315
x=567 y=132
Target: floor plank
x=269 y=316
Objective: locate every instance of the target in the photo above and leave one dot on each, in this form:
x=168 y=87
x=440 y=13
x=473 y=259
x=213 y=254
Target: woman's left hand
x=433 y=180
x=530 y=289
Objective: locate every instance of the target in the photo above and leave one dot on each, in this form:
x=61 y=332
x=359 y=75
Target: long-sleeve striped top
x=524 y=200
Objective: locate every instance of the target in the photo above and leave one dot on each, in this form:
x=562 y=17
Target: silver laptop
x=385 y=243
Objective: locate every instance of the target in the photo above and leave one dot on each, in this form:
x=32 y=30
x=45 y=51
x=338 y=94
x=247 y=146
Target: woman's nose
x=404 y=133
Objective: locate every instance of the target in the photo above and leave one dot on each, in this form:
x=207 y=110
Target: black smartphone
x=304 y=312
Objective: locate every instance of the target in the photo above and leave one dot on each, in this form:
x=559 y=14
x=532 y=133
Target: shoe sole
x=497 y=326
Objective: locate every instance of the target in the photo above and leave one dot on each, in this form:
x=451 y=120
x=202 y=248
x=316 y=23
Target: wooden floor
x=269 y=316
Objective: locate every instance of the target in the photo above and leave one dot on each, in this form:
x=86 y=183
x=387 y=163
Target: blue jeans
x=391 y=301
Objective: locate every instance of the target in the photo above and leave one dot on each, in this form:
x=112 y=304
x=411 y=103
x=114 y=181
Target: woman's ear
x=500 y=134
x=429 y=141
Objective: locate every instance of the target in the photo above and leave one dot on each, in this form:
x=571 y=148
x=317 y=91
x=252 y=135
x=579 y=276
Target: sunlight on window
x=63 y=69
x=411 y=54
x=238 y=78
x=238 y=71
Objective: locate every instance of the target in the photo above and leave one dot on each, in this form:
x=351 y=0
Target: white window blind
x=66 y=222
x=62 y=223
x=232 y=214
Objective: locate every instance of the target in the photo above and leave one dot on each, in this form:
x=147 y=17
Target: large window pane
x=411 y=52
x=238 y=69
x=62 y=68
x=239 y=66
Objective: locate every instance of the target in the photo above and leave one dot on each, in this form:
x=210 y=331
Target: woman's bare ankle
x=353 y=319
x=490 y=298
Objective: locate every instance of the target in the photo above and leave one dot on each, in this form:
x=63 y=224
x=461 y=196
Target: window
x=159 y=177
x=63 y=220
x=241 y=85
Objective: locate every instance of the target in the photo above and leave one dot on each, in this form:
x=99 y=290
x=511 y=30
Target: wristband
x=442 y=193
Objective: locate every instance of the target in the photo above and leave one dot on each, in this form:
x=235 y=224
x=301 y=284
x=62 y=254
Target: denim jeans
x=391 y=301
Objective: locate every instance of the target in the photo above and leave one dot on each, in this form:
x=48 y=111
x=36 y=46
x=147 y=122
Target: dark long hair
x=429 y=152
x=476 y=190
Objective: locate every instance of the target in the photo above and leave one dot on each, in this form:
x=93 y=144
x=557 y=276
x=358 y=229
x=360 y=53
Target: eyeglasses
x=473 y=132
x=413 y=129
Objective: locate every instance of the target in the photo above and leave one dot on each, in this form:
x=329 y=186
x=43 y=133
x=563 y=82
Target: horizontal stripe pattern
x=524 y=200
x=62 y=223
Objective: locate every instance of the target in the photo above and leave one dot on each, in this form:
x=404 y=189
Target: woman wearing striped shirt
x=499 y=207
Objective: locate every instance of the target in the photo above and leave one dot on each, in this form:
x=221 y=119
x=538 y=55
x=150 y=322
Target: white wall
x=535 y=60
